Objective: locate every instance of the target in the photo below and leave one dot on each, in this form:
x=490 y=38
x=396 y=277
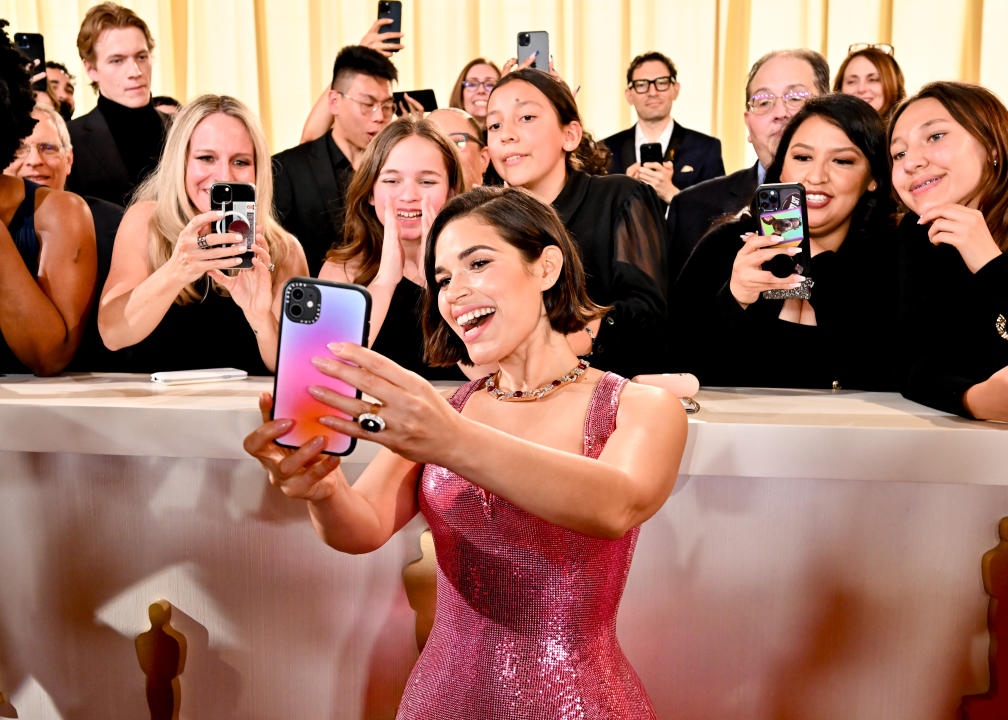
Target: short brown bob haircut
x=528 y=225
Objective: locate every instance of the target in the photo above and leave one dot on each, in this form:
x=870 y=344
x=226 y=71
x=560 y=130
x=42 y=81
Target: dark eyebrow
x=464 y=254
x=845 y=148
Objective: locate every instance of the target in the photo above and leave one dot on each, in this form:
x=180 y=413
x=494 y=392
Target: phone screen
x=315 y=313
x=782 y=211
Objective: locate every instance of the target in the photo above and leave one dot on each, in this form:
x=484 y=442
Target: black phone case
x=390 y=9
x=780 y=209
x=425 y=97
x=651 y=152
x=242 y=204
x=33 y=45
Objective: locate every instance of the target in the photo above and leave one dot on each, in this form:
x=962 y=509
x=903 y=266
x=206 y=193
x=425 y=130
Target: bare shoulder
x=338 y=271
x=643 y=403
x=56 y=208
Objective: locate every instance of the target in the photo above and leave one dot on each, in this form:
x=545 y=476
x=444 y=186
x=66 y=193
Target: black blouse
x=618 y=224
x=949 y=319
x=850 y=345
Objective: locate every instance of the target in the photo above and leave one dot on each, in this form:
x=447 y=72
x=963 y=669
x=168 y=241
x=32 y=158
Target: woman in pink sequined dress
x=534 y=480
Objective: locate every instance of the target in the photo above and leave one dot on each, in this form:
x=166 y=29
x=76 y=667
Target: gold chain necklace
x=527 y=395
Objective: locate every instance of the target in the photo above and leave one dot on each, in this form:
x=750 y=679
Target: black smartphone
x=33 y=46
x=238 y=201
x=315 y=313
x=781 y=210
x=424 y=97
x=390 y=9
x=651 y=152
x=534 y=41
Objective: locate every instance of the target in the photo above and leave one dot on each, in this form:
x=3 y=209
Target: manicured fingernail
x=793 y=250
x=801 y=278
x=920 y=221
x=315 y=391
x=284 y=423
x=335 y=348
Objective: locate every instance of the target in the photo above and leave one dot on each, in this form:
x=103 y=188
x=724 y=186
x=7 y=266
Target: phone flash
x=310 y=304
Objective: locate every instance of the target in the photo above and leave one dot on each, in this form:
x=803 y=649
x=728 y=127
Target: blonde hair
x=166 y=186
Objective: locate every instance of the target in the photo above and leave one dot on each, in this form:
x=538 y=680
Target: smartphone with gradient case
x=315 y=313
x=782 y=210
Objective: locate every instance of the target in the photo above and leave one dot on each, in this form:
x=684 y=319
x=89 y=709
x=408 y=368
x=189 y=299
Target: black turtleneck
x=139 y=135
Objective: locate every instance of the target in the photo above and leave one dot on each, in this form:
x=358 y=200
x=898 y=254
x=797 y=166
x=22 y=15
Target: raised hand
x=199 y=251
x=964 y=229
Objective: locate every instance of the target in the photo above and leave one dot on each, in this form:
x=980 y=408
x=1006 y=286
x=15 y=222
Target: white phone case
x=179 y=377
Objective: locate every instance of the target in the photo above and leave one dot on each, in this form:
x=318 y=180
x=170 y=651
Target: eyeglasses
x=46 y=149
x=487 y=85
x=461 y=139
x=373 y=107
x=661 y=84
x=762 y=103
x=857 y=47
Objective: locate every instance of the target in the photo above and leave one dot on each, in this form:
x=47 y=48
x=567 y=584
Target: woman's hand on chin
x=749 y=279
x=964 y=229
x=304 y=473
x=420 y=425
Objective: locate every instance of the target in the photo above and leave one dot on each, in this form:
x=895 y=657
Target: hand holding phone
x=315 y=313
x=33 y=46
x=238 y=201
x=392 y=10
x=782 y=212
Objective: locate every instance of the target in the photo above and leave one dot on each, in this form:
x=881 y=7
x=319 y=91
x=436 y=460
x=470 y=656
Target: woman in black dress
x=407 y=173
x=948 y=145
x=728 y=333
x=536 y=141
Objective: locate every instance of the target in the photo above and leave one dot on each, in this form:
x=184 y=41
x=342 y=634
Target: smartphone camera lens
x=296 y=310
x=297 y=293
x=383 y=7
x=524 y=39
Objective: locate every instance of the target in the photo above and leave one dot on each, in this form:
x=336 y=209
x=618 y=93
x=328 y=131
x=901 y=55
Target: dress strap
x=459 y=397
x=22 y=229
x=600 y=420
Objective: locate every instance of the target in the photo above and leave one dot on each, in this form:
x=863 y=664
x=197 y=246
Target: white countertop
x=751 y=432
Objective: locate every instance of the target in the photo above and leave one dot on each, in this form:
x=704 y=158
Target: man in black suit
x=119 y=142
x=689 y=156
x=310 y=180
x=777 y=87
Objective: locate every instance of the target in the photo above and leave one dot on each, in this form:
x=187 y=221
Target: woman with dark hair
x=473 y=87
x=536 y=500
x=730 y=333
x=948 y=145
x=47 y=245
x=537 y=142
x=872 y=74
x=407 y=173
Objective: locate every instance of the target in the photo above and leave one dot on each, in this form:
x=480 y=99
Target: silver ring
x=201 y=242
x=371 y=422
x=271 y=267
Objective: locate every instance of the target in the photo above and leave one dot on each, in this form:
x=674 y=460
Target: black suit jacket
x=692 y=212
x=309 y=196
x=98 y=169
x=695 y=157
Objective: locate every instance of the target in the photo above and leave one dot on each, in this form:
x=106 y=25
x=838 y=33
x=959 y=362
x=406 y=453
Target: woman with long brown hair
x=407 y=173
x=948 y=145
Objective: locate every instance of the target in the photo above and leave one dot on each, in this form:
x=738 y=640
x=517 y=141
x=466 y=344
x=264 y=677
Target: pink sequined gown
x=525 y=626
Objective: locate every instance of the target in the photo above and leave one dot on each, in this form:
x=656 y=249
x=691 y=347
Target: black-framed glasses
x=461 y=139
x=762 y=103
x=858 y=47
x=46 y=149
x=372 y=106
x=661 y=84
x=487 y=85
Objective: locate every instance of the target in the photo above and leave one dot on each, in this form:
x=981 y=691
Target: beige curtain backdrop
x=276 y=55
